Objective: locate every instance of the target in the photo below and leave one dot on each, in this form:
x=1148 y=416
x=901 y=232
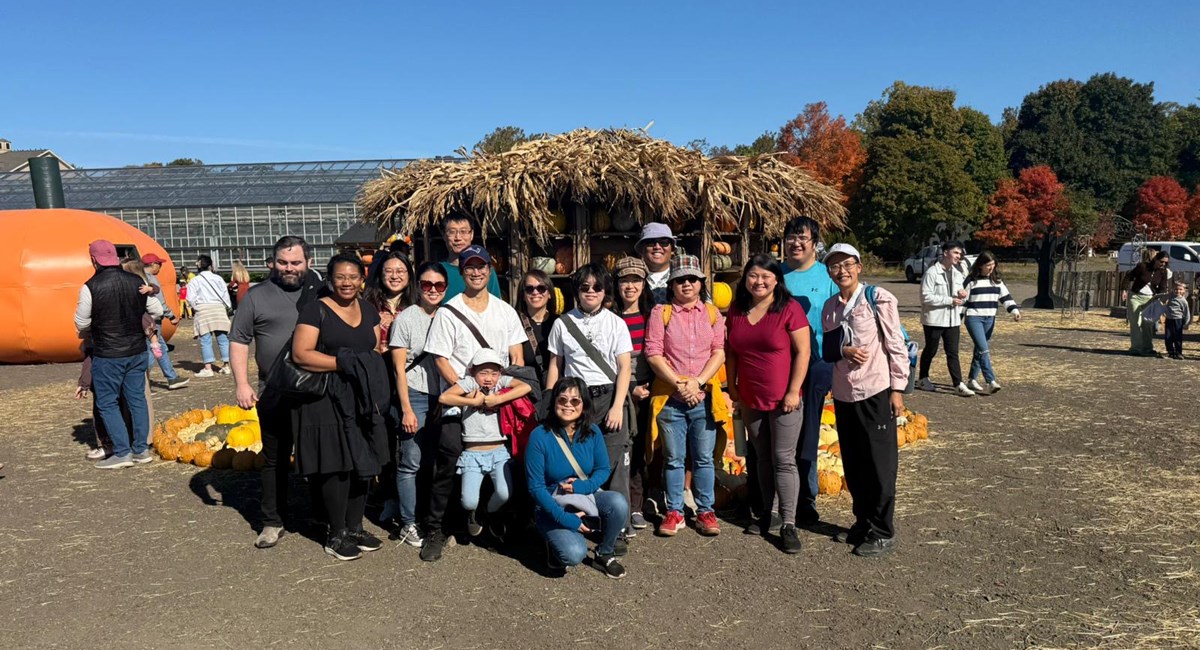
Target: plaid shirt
x=690 y=339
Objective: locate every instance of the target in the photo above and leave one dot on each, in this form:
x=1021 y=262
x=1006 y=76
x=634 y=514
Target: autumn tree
x=1161 y=207
x=825 y=146
x=1035 y=203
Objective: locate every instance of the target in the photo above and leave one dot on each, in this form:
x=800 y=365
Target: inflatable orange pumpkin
x=43 y=262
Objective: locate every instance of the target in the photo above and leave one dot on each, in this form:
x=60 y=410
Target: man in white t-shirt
x=657 y=246
x=452 y=343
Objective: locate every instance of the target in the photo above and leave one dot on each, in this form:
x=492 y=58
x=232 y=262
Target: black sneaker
x=366 y=541
x=620 y=547
x=609 y=565
x=853 y=537
x=875 y=547
x=473 y=527
x=341 y=545
x=808 y=517
x=435 y=543
x=177 y=383
x=789 y=539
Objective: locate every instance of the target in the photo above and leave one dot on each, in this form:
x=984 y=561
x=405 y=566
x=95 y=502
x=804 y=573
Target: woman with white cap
x=685 y=346
x=864 y=341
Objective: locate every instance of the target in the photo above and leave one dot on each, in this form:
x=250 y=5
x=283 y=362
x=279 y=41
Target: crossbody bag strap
x=562 y=444
x=219 y=291
x=420 y=357
x=589 y=348
x=471 y=326
x=528 y=325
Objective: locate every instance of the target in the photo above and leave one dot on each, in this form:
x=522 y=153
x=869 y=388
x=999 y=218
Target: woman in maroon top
x=767 y=351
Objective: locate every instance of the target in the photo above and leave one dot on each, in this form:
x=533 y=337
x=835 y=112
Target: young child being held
x=1179 y=316
x=480 y=396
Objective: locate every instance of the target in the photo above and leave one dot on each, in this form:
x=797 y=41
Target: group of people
x=591 y=424
x=1152 y=293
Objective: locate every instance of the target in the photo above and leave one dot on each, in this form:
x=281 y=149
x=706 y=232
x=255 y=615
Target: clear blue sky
x=116 y=83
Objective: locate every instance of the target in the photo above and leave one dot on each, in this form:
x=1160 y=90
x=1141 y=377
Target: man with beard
x=267 y=316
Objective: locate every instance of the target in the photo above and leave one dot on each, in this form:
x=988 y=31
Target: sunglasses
x=597 y=287
x=687 y=278
x=439 y=287
x=573 y=402
x=661 y=243
x=531 y=289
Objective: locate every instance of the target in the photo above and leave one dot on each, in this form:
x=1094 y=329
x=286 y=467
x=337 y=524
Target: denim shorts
x=482 y=462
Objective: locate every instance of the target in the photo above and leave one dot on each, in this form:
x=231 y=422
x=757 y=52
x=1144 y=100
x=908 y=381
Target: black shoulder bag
x=288 y=380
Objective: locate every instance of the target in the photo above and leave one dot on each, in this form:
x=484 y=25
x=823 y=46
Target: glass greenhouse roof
x=202 y=185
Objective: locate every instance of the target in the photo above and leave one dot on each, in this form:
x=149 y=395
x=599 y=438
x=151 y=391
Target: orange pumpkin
x=564 y=259
x=169 y=451
x=901 y=439
x=204 y=458
x=828 y=482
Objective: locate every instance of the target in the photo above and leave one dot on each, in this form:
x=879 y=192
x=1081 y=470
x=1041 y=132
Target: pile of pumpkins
x=831 y=477
x=225 y=437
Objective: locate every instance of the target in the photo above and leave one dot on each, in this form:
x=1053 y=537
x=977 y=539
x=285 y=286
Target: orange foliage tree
x=825 y=146
x=1161 y=206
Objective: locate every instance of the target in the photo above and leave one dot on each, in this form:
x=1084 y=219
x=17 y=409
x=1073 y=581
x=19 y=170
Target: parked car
x=1184 y=255
x=914 y=267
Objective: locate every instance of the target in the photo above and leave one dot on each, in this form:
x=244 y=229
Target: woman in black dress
x=339 y=446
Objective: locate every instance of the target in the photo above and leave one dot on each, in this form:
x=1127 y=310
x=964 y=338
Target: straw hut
x=584 y=195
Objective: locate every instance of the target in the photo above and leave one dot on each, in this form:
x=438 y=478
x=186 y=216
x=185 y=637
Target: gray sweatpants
x=775 y=435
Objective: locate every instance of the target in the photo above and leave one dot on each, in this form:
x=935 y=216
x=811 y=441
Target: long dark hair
x=779 y=298
x=645 y=299
x=977 y=268
x=584 y=425
x=377 y=293
x=551 y=302
x=436 y=267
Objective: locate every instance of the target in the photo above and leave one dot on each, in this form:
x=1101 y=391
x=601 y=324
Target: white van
x=1184 y=255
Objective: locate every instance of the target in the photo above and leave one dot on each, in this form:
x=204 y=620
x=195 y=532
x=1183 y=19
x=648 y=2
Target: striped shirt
x=984 y=298
x=637 y=330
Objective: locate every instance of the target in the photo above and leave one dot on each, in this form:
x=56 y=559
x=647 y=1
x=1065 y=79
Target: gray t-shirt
x=481 y=425
x=266 y=317
x=409 y=331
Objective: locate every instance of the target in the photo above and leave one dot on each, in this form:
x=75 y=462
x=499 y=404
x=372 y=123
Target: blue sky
x=116 y=83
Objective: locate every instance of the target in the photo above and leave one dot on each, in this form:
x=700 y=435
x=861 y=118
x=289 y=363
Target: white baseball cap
x=486 y=356
x=844 y=249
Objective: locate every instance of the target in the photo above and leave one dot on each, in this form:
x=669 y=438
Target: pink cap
x=104 y=253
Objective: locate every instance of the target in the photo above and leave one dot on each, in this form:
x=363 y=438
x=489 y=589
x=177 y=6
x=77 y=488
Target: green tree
x=986 y=162
x=502 y=139
x=916 y=176
x=1105 y=136
x=765 y=143
x=185 y=162
x=1183 y=128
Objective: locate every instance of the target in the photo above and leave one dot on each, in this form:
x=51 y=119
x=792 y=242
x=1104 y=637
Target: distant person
x=459 y=232
x=656 y=247
x=985 y=293
x=110 y=309
x=942 y=297
x=153 y=265
x=266 y=320
x=1179 y=318
x=1142 y=283
x=239 y=283
x=209 y=297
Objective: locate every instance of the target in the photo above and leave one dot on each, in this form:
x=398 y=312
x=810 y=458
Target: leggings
x=774 y=436
x=345 y=499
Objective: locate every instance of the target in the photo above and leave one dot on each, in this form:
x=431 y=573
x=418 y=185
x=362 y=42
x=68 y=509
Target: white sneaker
x=204 y=372
x=994 y=385
x=925 y=384
x=962 y=391
x=974 y=385
x=225 y=370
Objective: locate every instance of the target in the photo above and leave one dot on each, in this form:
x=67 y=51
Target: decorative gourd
x=828 y=482
x=243 y=435
x=722 y=295
x=368 y=258
x=216 y=432
x=243 y=461
x=250 y=414
x=186 y=453
x=558 y=221
x=901 y=440
x=722 y=248
x=223 y=459
x=560 y=301
x=543 y=264
x=260 y=461
x=564 y=258
x=727 y=226
x=204 y=458
x=601 y=221
x=169 y=451
x=836 y=448
x=229 y=415
x=624 y=221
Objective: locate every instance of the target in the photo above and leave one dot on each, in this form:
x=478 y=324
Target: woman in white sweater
x=985 y=293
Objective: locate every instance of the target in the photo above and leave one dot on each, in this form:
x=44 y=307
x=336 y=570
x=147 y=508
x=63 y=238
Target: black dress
x=321 y=443
x=539 y=361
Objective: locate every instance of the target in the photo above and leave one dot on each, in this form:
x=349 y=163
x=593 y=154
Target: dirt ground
x=1058 y=513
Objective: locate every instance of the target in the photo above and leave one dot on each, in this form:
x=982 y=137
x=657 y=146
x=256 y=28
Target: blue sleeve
x=599 y=472
x=494 y=285
x=535 y=477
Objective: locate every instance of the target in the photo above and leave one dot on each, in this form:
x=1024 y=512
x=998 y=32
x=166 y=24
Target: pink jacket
x=887 y=364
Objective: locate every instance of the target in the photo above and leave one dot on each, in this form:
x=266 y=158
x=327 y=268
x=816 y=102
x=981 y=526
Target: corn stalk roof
x=619 y=170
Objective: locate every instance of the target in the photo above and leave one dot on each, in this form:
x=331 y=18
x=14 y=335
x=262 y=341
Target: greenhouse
x=231 y=212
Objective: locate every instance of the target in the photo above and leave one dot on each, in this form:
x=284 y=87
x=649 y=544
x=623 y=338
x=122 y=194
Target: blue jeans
x=124 y=377
x=164 y=363
x=206 y=349
x=980 y=328
x=817 y=383
x=410 y=454
x=688 y=429
x=570 y=546
x=473 y=465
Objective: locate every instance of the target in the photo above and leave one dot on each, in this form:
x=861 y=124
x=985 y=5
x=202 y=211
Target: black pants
x=445 y=470
x=275 y=421
x=1174 y=337
x=616 y=443
x=639 y=476
x=867 y=435
x=345 y=497
x=950 y=336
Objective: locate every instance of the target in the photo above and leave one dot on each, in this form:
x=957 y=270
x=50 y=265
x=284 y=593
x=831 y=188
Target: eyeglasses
x=439 y=287
x=476 y=268
x=572 y=402
x=796 y=239
x=588 y=288
x=843 y=266
x=347 y=278
x=466 y=232
x=662 y=242
x=395 y=273
x=531 y=289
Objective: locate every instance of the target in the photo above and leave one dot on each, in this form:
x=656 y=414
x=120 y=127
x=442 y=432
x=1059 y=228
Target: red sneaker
x=706 y=524
x=671 y=524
